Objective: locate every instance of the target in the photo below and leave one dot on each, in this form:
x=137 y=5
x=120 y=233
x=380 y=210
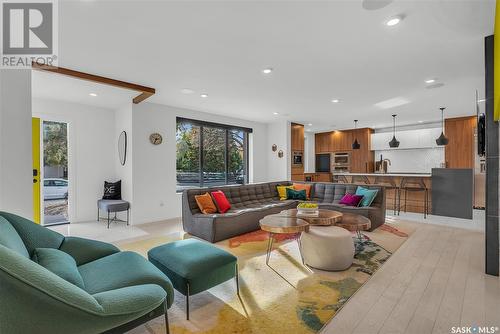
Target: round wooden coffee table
x=355 y=223
x=325 y=217
x=277 y=224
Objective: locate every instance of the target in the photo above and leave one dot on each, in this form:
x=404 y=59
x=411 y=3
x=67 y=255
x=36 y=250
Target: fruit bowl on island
x=307 y=209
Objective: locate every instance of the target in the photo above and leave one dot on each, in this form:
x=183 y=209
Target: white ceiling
x=54 y=86
x=319 y=51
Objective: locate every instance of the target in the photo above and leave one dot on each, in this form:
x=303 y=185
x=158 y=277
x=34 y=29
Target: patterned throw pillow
x=303 y=186
x=296 y=194
x=368 y=195
x=205 y=203
x=112 y=190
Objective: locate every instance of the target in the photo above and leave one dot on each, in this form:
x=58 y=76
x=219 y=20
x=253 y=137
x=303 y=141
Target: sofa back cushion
x=11 y=239
x=333 y=192
x=60 y=263
x=33 y=235
x=240 y=196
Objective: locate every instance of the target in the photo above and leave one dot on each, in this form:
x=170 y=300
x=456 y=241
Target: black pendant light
x=355 y=144
x=442 y=140
x=394 y=142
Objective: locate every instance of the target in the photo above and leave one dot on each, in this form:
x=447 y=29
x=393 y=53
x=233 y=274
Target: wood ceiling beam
x=144 y=91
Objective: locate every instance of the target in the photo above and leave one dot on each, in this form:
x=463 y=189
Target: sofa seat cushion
x=60 y=263
x=121 y=270
x=10 y=239
x=195 y=263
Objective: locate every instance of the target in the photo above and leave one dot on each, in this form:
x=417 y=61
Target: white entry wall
x=16 y=168
x=92 y=148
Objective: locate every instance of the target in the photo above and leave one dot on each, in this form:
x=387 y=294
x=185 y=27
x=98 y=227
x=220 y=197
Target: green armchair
x=116 y=291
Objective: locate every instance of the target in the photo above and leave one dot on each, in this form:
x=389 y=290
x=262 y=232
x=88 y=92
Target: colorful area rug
x=284 y=297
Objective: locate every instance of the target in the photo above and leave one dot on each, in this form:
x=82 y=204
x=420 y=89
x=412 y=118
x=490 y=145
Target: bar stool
x=414 y=184
x=360 y=179
x=389 y=183
x=342 y=179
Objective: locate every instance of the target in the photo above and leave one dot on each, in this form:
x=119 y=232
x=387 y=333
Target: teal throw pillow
x=296 y=194
x=59 y=263
x=368 y=195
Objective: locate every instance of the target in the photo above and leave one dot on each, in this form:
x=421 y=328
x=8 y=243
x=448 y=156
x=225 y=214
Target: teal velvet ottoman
x=194 y=266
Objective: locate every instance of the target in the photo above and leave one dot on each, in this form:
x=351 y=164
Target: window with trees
x=210 y=154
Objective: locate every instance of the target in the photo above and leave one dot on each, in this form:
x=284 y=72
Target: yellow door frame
x=35 y=140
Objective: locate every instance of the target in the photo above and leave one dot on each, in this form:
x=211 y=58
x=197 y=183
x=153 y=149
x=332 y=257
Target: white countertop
x=386 y=174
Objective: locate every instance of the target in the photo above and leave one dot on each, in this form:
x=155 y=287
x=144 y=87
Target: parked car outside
x=55 y=188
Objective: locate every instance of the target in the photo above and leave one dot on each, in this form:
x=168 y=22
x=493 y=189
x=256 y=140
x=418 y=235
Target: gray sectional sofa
x=252 y=202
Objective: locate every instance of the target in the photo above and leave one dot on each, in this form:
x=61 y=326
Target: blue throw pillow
x=60 y=263
x=368 y=195
x=296 y=194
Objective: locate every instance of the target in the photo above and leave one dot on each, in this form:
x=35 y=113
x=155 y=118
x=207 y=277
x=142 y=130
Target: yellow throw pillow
x=205 y=203
x=282 y=191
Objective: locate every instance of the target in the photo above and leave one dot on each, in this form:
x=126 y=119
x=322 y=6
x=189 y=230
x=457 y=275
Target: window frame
x=226 y=128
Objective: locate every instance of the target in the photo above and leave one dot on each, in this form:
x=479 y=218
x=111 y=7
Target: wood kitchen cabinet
x=297 y=144
x=459 y=153
x=297 y=137
x=362 y=160
x=322 y=142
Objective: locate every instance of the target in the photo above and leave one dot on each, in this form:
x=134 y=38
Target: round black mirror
x=122 y=147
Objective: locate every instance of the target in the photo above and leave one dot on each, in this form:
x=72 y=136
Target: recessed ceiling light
x=335 y=100
x=204 y=95
x=420 y=121
x=187 y=91
x=393 y=21
x=310 y=124
x=481 y=100
x=276 y=113
x=267 y=70
x=93 y=94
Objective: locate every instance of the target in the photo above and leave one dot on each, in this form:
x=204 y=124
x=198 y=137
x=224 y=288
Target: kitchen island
x=414 y=199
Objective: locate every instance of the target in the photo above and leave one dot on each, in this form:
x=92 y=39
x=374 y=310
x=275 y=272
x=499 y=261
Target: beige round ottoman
x=327 y=248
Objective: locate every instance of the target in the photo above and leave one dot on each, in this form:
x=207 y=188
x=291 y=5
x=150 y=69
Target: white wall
x=309 y=152
x=413 y=161
x=16 y=185
x=154 y=181
x=279 y=169
x=123 y=122
x=92 y=151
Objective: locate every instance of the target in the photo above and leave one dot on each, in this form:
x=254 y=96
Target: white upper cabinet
x=408 y=139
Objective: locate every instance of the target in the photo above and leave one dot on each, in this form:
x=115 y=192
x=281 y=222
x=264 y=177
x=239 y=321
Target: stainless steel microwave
x=297 y=159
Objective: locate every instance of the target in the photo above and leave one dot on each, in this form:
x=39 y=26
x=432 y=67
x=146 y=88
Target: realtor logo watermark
x=29 y=33
x=474 y=330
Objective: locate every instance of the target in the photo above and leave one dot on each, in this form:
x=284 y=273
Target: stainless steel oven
x=297 y=159
x=341 y=159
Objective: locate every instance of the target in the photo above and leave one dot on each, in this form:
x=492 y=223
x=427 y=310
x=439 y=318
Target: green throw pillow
x=368 y=195
x=60 y=263
x=296 y=194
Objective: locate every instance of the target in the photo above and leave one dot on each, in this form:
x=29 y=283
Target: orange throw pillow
x=303 y=186
x=205 y=203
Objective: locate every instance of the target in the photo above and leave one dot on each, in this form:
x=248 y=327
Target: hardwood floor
x=434 y=282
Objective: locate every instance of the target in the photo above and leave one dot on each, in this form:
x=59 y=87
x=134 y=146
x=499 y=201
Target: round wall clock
x=155 y=138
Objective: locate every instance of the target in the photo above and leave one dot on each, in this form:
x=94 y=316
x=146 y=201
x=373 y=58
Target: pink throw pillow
x=351 y=199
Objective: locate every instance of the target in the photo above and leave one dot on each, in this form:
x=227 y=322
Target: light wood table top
x=325 y=217
x=281 y=224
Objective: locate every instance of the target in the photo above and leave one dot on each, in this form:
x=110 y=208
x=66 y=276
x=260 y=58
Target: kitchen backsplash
x=412 y=161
